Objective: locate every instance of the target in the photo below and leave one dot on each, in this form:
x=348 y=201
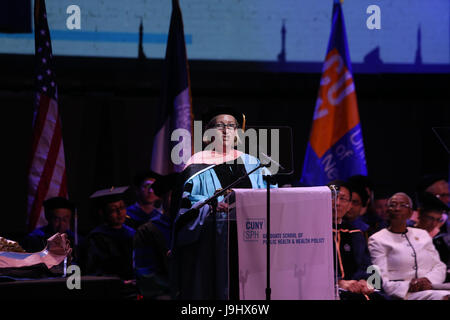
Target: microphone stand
x=269 y=181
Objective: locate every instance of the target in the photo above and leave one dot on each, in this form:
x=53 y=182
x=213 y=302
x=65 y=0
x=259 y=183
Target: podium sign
x=301 y=259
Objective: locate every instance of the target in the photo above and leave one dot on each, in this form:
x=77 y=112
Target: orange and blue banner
x=335 y=149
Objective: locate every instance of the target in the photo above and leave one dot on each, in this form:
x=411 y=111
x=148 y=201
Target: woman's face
x=226 y=127
x=399 y=209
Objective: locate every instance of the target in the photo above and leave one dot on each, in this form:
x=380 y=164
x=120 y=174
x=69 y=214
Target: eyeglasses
x=116 y=209
x=342 y=199
x=395 y=205
x=434 y=219
x=225 y=126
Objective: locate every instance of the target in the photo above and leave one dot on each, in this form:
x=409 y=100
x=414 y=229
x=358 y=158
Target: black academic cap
x=362 y=180
x=105 y=196
x=215 y=111
x=428 y=180
x=428 y=202
x=164 y=184
x=143 y=175
x=56 y=203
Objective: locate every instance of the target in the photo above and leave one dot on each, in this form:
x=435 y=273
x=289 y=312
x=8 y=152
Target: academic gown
x=353 y=255
x=137 y=216
x=109 y=252
x=150 y=257
x=202 y=256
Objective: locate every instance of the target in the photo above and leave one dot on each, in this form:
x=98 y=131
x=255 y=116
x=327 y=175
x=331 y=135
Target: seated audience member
x=58 y=212
x=352 y=253
x=147 y=204
x=436 y=185
x=353 y=216
x=110 y=245
x=408 y=262
x=379 y=207
x=374 y=216
x=151 y=246
x=431 y=211
x=363 y=182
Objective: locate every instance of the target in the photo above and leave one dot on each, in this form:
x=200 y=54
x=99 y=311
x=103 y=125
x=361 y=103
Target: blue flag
x=335 y=149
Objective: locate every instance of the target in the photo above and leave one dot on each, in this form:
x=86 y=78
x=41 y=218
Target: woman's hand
x=222 y=207
x=365 y=289
x=350 y=285
x=355 y=286
x=420 y=284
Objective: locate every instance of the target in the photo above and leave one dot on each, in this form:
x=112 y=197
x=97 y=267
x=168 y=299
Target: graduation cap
x=214 y=112
x=57 y=203
x=140 y=177
x=164 y=184
x=105 y=196
x=361 y=180
x=429 y=202
x=428 y=180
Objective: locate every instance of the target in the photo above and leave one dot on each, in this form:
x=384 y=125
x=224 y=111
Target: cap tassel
x=243 y=122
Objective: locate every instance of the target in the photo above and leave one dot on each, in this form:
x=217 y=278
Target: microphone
x=271 y=160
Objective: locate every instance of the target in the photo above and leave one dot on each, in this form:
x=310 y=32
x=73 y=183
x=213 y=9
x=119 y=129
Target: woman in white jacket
x=407 y=260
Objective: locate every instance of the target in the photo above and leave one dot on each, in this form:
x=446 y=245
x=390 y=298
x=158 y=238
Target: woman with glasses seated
x=407 y=260
x=202 y=271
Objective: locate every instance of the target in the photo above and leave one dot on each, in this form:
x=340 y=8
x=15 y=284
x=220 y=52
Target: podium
x=226 y=258
x=301 y=259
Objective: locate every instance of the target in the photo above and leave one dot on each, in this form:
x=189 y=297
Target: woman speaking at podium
x=204 y=248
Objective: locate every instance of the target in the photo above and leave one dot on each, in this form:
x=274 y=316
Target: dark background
x=108 y=109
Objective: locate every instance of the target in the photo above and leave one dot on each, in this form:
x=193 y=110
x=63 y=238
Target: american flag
x=47 y=170
x=176 y=102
